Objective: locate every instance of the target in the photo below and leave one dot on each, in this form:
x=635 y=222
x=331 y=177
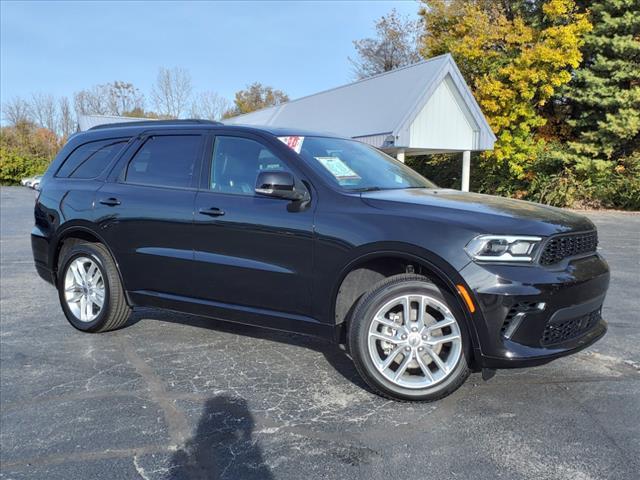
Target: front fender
x=436 y=266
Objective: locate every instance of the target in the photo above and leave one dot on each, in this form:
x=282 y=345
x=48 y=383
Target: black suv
x=318 y=235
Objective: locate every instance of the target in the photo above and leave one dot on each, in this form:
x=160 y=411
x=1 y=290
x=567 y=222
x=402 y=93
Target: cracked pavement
x=175 y=396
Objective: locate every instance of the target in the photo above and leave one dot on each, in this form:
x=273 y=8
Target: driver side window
x=236 y=163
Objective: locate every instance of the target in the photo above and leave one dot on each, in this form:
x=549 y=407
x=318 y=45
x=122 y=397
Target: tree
x=209 y=106
x=44 y=111
x=124 y=97
x=514 y=67
x=25 y=149
x=604 y=95
x=16 y=110
x=93 y=101
x=140 y=112
x=66 y=119
x=172 y=92
x=255 y=97
x=115 y=98
x=395 y=45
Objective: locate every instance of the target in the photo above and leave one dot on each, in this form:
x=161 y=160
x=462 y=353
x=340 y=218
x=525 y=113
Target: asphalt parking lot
x=175 y=396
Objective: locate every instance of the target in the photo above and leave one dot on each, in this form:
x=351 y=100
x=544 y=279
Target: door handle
x=110 y=202
x=212 y=212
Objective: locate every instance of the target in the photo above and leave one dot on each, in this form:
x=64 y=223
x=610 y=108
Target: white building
x=420 y=109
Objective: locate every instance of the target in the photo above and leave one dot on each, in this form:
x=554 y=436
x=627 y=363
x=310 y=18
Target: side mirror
x=278 y=184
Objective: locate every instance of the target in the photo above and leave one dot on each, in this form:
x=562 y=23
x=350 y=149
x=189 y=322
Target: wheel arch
x=375 y=264
x=81 y=232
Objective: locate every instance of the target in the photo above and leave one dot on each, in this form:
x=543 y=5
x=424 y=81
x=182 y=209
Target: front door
x=250 y=250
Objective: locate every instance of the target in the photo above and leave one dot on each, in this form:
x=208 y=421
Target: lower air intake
x=562 y=331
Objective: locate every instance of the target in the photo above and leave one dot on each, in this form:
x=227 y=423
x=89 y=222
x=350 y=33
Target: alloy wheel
x=414 y=341
x=84 y=289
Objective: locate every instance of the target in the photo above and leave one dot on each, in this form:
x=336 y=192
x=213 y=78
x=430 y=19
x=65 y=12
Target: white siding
x=445 y=122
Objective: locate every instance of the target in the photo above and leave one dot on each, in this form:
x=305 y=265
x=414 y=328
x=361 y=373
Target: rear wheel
x=408 y=340
x=90 y=290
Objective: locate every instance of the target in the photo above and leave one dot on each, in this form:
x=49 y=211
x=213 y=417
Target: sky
x=298 y=47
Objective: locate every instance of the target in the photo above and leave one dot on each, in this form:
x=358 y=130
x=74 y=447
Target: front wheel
x=408 y=340
x=90 y=290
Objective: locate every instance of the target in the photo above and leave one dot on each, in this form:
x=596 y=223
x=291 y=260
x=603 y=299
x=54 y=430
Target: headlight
x=503 y=248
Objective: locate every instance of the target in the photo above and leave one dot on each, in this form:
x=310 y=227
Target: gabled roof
x=383 y=104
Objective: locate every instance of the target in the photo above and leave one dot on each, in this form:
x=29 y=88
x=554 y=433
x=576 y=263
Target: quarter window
x=90 y=159
x=166 y=160
x=236 y=163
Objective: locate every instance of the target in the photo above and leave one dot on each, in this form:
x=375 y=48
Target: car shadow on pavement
x=222 y=446
x=334 y=355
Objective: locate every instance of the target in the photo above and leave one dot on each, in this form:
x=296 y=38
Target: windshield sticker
x=294 y=143
x=338 y=168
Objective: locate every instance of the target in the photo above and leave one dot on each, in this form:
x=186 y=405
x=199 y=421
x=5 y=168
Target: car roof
x=135 y=128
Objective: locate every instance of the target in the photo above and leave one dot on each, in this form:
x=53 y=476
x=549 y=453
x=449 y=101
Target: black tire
x=358 y=331
x=115 y=311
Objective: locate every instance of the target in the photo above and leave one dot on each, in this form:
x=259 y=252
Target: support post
x=466 y=170
x=400 y=155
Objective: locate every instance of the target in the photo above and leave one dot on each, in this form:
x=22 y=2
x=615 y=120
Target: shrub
x=562 y=181
x=15 y=166
x=442 y=169
x=25 y=150
x=556 y=178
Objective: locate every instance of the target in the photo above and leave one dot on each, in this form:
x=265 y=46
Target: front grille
x=563 y=331
x=563 y=246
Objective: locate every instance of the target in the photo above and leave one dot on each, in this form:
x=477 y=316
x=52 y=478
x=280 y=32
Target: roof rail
x=143 y=123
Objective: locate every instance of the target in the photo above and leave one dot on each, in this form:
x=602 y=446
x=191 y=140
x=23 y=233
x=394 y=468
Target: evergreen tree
x=604 y=94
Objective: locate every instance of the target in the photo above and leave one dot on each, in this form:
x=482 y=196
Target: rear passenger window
x=90 y=159
x=166 y=160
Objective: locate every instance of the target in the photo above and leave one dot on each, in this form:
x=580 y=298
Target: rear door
x=250 y=250
x=145 y=213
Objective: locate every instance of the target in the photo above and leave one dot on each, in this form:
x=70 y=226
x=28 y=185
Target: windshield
x=356 y=166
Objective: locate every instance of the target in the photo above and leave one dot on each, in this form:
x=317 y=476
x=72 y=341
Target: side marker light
x=466 y=297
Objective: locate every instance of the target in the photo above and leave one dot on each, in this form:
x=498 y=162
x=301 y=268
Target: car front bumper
x=530 y=315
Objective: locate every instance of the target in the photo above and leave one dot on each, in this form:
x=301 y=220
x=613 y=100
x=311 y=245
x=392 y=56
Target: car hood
x=486 y=213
